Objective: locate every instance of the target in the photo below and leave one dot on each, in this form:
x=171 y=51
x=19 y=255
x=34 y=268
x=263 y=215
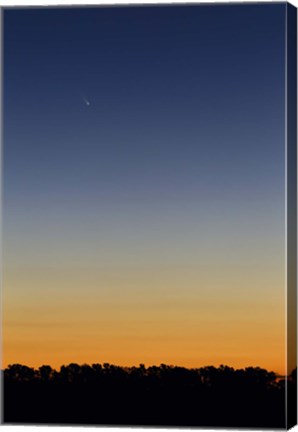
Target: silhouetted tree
x=164 y=395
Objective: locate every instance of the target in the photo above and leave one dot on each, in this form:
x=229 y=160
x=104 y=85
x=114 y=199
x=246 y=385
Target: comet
x=86 y=101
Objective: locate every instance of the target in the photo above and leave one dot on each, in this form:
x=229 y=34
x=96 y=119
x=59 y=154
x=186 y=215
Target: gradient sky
x=147 y=227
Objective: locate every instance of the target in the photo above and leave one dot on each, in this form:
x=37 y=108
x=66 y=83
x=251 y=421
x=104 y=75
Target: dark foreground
x=154 y=396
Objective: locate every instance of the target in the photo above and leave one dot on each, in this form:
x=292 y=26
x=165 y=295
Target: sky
x=144 y=185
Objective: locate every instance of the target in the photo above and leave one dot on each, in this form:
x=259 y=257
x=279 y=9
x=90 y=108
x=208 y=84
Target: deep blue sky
x=180 y=97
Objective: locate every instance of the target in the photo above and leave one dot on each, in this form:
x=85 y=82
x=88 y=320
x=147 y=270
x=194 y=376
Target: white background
x=96 y=2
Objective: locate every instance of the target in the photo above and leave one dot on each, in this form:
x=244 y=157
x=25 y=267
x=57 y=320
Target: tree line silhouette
x=154 y=396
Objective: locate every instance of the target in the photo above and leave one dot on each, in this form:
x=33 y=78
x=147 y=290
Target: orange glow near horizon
x=226 y=323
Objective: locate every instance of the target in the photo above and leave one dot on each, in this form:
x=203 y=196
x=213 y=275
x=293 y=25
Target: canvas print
x=149 y=215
